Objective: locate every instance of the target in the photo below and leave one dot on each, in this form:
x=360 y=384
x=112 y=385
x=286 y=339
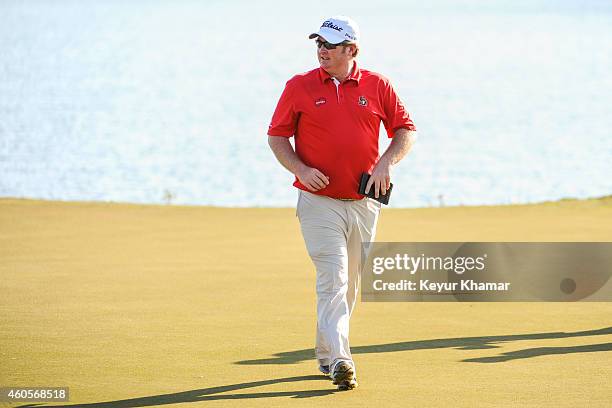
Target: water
x=154 y=101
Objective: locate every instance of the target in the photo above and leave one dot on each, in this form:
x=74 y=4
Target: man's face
x=336 y=59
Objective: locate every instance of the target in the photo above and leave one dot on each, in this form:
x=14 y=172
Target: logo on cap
x=331 y=25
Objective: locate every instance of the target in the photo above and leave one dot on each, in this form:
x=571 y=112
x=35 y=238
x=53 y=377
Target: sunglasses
x=328 y=45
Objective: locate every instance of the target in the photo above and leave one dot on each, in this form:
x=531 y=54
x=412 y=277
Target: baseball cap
x=337 y=29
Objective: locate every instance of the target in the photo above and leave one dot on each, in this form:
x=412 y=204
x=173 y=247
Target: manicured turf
x=134 y=306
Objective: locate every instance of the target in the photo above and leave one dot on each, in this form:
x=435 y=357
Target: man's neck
x=342 y=75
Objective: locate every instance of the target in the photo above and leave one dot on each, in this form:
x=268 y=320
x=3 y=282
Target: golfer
x=334 y=112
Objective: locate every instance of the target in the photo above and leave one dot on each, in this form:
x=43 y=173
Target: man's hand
x=381 y=174
x=312 y=178
x=380 y=179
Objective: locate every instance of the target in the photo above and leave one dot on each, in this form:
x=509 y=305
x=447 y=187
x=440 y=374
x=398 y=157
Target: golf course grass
x=137 y=306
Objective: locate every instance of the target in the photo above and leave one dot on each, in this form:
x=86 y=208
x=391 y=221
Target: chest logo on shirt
x=363 y=101
x=320 y=101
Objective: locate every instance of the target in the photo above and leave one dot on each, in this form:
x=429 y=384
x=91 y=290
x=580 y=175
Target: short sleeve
x=396 y=116
x=285 y=117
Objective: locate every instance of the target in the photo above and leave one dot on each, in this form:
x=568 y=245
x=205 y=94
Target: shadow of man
x=460 y=343
x=210 y=394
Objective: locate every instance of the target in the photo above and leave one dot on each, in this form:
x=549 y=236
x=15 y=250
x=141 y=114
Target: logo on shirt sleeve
x=363 y=101
x=320 y=101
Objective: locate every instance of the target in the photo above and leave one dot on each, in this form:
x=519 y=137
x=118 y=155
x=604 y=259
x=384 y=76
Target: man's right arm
x=310 y=177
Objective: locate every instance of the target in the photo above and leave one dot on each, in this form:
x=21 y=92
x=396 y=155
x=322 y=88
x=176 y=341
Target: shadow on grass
x=541 y=351
x=462 y=343
x=210 y=394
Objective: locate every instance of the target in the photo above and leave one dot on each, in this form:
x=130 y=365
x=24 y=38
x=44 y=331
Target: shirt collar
x=355 y=74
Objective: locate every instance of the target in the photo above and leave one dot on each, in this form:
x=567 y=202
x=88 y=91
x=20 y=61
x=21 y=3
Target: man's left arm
x=402 y=142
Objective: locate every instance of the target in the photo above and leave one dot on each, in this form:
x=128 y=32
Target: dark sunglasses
x=328 y=45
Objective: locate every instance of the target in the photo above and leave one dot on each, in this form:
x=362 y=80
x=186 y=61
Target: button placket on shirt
x=337 y=85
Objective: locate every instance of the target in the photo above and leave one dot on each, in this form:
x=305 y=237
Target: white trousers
x=333 y=231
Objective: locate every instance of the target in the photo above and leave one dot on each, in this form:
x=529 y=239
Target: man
x=335 y=112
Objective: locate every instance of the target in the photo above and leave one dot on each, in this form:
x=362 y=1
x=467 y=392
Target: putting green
x=135 y=306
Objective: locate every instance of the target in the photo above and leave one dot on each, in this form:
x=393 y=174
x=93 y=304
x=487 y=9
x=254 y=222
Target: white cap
x=338 y=29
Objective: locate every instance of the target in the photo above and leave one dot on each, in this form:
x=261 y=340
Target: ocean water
x=169 y=102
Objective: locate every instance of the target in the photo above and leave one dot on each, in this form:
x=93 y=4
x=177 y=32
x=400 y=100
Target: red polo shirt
x=336 y=128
